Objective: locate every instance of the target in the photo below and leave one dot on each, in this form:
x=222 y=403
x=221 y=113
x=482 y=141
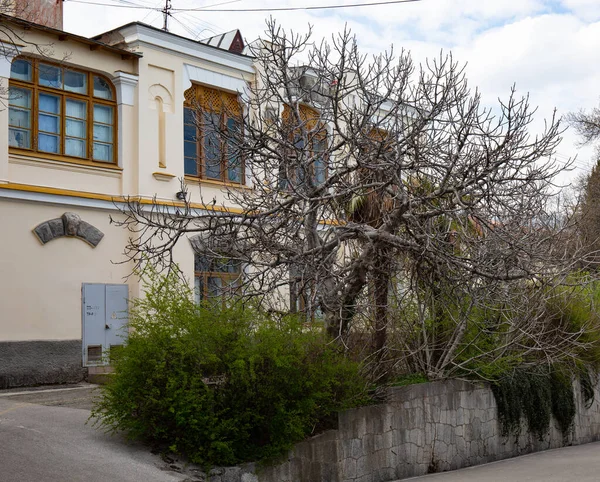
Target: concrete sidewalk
x=80 y=395
x=580 y=463
x=44 y=438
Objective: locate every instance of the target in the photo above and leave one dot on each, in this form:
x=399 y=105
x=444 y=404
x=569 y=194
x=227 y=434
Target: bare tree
x=586 y=124
x=375 y=179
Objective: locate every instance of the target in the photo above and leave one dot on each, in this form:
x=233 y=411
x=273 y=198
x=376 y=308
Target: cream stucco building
x=87 y=123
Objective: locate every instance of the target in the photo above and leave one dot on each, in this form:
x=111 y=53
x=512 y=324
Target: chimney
x=42 y=12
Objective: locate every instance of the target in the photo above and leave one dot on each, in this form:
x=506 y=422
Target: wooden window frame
x=195 y=101
x=225 y=276
x=35 y=88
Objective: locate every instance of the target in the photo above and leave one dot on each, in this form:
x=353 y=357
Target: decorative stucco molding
x=163 y=176
x=125 y=84
x=71 y=225
x=192 y=73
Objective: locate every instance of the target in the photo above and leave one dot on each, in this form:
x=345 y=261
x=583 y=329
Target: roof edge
x=63 y=35
x=180 y=37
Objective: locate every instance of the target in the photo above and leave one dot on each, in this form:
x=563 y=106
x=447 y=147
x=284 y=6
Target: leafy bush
x=576 y=308
x=409 y=379
x=222 y=385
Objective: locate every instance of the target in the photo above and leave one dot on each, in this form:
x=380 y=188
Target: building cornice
x=69 y=197
x=136 y=35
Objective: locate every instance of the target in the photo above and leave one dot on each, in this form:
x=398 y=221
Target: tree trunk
x=381 y=286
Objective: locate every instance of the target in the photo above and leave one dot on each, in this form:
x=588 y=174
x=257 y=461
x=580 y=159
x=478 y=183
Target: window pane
x=189 y=116
x=19 y=97
x=230 y=265
x=319 y=168
x=212 y=153
x=50 y=76
x=212 y=169
x=234 y=172
x=198 y=289
x=76 y=128
x=215 y=286
x=75 y=147
x=300 y=176
x=19 y=138
x=189 y=133
x=189 y=149
x=212 y=146
x=76 y=81
x=102 y=133
x=49 y=103
x=19 y=117
x=230 y=285
x=234 y=164
x=190 y=166
x=21 y=70
x=48 y=143
x=201 y=263
x=103 y=114
x=102 y=88
x=49 y=123
x=76 y=108
x=102 y=152
x=190 y=158
x=319 y=163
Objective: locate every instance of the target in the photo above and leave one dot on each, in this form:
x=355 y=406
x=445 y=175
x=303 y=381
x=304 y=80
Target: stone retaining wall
x=422 y=428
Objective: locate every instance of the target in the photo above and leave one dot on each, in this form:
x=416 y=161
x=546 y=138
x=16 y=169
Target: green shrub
x=223 y=385
x=409 y=379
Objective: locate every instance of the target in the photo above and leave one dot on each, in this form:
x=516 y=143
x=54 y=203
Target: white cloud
x=585 y=9
x=547 y=47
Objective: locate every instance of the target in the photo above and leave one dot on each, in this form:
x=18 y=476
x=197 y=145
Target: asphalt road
x=570 y=464
x=44 y=438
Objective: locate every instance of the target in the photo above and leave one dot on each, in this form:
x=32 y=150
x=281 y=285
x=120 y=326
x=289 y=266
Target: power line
x=151 y=11
x=195 y=20
x=246 y=10
x=217 y=4
x=198 y=25
x=189 y=30
x=112 y=5
x=288 y=9
x=141 y=3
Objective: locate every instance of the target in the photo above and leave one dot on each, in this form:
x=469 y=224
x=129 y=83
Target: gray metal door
x=105 y=317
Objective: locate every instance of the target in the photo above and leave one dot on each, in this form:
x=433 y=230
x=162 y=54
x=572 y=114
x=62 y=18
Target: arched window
x=207 y=155
x=61 y=112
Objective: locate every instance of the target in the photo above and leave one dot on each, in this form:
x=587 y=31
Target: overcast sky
x=548 y=48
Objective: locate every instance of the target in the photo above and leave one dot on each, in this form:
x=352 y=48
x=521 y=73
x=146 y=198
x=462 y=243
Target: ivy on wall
x=535 y=396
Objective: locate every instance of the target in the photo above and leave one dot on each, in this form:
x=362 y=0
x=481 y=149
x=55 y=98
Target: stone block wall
x=27 y=363
x=424 y=428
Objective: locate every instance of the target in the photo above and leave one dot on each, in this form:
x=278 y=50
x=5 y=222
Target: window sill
x=163 y=176
x=211 y=182
x=50 y=159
